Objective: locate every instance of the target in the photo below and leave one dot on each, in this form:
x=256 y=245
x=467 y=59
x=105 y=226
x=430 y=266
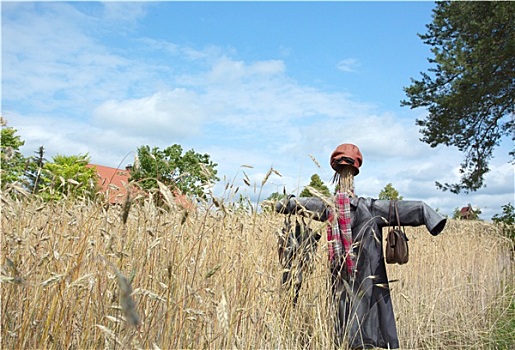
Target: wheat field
x=76 y=276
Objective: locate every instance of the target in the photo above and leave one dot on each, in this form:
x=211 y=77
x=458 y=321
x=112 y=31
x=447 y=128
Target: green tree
x=470 y=95
x=316 y=183
x=389 y=193
x=269 y=203
x=68 y=176
x=13 y=162
x=190 y=173
x=276 y=196
x=506 y=221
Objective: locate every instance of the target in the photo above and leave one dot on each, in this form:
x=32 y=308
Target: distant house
x=468 y=213
x=113 y=182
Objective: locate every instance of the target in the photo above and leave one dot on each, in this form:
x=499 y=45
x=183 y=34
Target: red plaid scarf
x=339 y=232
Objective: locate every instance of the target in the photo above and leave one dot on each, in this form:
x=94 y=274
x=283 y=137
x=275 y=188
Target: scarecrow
x=363 y=312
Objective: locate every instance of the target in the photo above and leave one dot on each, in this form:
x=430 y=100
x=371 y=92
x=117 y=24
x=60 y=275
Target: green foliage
x=268 y=204
x=470 y=95
x=316 y=183
x=506 y=221
x=507 y=217
x=276 y=196
x=389 y=193
x=189 y=173
x=68 y=176
x=243 y=205
x=13 y=162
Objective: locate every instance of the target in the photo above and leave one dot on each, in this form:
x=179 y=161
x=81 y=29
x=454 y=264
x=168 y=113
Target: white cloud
x=501 y=178
x=64 y=89
x=227 y=71
x=173 y=114
x=348 y=65
x=51 y=60
x=125 y=12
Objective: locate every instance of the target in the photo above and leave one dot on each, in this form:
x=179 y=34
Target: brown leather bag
x=397 y=251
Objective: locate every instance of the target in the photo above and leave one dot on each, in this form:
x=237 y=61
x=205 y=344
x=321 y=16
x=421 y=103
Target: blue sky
x=266 y=84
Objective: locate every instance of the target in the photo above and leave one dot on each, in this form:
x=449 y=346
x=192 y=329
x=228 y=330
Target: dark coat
x=365 y=317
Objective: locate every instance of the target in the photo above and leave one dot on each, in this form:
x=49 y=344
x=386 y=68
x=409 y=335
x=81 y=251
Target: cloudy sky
x=269 y=84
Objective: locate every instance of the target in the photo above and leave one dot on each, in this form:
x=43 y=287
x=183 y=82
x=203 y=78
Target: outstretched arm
x=411 y=213
x=313 y=207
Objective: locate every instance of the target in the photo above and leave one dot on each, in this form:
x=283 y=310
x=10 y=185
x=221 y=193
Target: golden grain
x=214 y=281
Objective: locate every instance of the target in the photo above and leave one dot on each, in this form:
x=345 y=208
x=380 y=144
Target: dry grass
x=74 y=276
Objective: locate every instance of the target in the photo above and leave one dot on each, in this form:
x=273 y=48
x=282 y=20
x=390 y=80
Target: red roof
x=113 y=182
x=465 y=210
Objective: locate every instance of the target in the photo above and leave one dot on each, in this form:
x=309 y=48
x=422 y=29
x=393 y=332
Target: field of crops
x=83 y=276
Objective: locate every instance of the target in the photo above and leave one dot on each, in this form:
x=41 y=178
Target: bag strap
x=397 y=214
x=393 y=204
x=390 y=212
x=401 y=229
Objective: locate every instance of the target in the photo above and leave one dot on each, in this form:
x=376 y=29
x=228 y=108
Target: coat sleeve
x=312 y=207
x=411 y=213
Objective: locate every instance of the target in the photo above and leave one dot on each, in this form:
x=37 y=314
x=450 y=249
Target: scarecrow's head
x=344 y=155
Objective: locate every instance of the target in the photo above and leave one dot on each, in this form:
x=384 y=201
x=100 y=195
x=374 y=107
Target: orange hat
x=347 y=154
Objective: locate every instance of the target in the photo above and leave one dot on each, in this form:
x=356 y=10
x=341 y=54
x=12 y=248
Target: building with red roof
x=468 y=213
x=113 y=182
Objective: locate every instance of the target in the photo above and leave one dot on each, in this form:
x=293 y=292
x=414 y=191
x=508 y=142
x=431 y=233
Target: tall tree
x=189 y=173
x=316 y=183
x=13 y=162
x=390 y=193
x=470 y=94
